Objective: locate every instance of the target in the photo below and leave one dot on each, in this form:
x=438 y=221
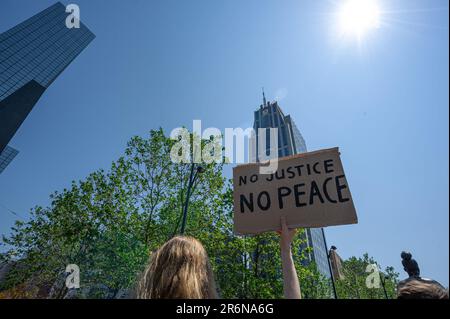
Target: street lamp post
x=329 y=264
x=192 y=177
x=383 y=278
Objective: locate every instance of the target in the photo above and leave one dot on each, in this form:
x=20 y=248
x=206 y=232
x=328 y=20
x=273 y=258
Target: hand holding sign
x=286 y=234
x=291 y=285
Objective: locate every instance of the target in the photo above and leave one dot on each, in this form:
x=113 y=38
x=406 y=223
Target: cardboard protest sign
x=309 y=189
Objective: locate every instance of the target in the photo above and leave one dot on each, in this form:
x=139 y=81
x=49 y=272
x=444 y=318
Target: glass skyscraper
x=290 y=141
x=6 y=157
x=32 y=55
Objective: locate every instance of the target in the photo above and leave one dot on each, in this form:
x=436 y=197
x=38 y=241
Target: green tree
x=109 y=223
x=361 y=281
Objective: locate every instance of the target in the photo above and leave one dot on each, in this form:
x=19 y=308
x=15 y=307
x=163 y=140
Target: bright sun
x=357 y=17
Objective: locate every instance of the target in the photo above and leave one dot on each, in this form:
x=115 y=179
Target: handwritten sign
x=309 y=189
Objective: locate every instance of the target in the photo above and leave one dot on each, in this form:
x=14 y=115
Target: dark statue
x=416 y=287
x=410 y=265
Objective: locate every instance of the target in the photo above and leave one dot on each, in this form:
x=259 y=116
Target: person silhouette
x=410 y=265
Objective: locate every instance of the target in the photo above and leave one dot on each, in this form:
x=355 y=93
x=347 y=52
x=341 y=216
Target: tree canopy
x=109 y=223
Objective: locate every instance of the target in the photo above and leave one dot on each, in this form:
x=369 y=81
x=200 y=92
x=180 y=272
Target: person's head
x=179 y=269
x=419 y=288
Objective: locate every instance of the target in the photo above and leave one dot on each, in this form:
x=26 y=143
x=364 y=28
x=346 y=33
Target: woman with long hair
x=180 y=269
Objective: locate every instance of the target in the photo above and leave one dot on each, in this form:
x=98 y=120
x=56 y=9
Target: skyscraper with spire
x=290 y=142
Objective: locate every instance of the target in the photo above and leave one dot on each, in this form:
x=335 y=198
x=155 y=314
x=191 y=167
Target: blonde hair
x=180 y=269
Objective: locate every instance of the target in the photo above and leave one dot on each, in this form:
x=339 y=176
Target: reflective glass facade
x=6 y=157
x=32 y=55
x=290 y=141
x=39 y=49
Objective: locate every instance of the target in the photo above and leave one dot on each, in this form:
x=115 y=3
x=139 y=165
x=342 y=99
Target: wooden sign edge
x=286 y=158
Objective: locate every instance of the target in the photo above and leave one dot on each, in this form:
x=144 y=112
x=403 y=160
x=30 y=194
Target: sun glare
x=357 y=17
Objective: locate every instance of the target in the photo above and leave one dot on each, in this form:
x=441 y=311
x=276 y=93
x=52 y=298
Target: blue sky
x=383 y=101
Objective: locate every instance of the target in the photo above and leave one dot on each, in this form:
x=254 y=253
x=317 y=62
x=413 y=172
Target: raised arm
x=291 y=285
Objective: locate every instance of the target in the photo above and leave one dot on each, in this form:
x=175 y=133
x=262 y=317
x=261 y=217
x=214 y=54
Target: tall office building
x=290 y=142
x=32 y=55
x=6 y=157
